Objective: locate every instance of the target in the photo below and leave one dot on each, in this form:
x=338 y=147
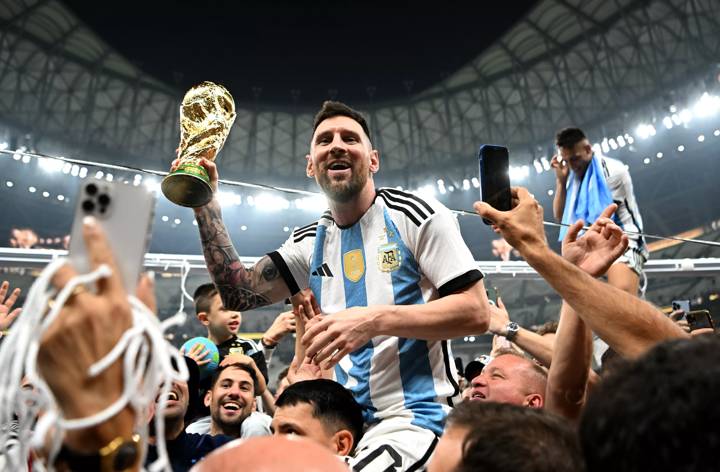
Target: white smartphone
x=125 y=213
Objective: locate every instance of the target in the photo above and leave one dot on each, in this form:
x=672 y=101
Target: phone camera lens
x=88 y=206
x=91 y=189
x=104 y=200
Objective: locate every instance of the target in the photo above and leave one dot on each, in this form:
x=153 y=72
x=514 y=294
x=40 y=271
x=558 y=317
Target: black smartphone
x=699 y=319
x=494 y=162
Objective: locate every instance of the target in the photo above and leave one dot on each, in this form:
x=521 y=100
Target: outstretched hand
x=596 y=250
x=7 y=314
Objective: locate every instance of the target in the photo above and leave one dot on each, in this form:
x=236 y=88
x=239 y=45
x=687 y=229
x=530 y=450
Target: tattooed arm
x=240 y=288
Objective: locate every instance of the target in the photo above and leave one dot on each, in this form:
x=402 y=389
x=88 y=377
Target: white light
x=3 y=145
x=250 y=200
x=61 y=197
x=708 y=105
x=465 y=339
x=165 y=218
x=451 y=188
x=177 y=221
x=26 y=159
x=597 y=149
x=668 y=122
x=646 y=160
x=269 y=202
x=519 y=173
x=701 y=138
x=644 y=131
x=673 y=108
x=676 y=119
x=538 y=166
x=315 y=203
x=621 y=141
x=109 y=177
x=466 y=184
x=471 y=339
x=138 y=177
x=9 y=183
x=659 y=155
x=399 y=187
x=227 y=198
x=75 y=170
x=17 y=156
x=716 y=132
x=50 y=165
x=612 y=143
x=681 y=148
x=152 y=185
x=243 y=228
x=427 y=191
x=440 y=182
x=83 y=172
x=629 y=139
x=32 y=189
x=686 y=116
x=442 y=190
x=46 y=194
x=194 y=223
x=545 y=163
x=551 y=192
x=286 y=229
x=475 y=182
x=605 y=146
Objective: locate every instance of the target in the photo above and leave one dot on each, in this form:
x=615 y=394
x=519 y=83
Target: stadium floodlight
x=451 y=188
x=629 y=138
x=271 y=203
x=659 y=155
x=668 y=122
x=475 y=182
x=243 y=228
x=686 y=116
x=519 y=173
x=621 y=141
x=646 y=160
x=177 y=221
x=466 y=184
x=612 y=143
x=716 y=132
x=75 y=171
x=681 y=148
x=165 y=218
x=26 y=158
x=605 y=146
x=708 y=105
x=9 y=183
x=3 y=145
x=316 y=203
x=545 y=163
x=701 y=138
x=227 y=198
x=426 y=191
x=550 y=192
x=597 y=149
x=676 y=119
x=538 y=166
x=644 y=131
x=83 y=172
x=50 y=165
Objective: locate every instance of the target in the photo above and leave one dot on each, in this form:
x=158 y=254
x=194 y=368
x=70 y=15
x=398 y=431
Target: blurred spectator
x=23 y=238
x=282 y=383
x=510 y=378
x=7 y=314
x=503 y=250
x=501 y=437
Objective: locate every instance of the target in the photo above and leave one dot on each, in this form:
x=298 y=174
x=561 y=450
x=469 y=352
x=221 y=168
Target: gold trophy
x=207 y=113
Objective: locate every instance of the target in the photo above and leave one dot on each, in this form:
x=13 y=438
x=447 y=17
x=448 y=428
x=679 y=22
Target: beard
x=342 y=191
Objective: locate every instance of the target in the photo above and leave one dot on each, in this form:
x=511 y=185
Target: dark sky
x=312 y=47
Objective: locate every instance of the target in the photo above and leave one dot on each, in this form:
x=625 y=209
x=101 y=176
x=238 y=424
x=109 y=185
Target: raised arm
x=537 y=346
x=561 y=175
x=240 y=288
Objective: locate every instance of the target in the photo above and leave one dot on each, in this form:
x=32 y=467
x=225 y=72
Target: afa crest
x=389 y=257
x=354 y=265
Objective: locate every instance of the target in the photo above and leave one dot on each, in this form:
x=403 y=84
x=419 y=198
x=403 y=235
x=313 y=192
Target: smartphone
x=125 y=213
x=494 y=162
x=492 y=293
x=683 y=305
x=699 y=319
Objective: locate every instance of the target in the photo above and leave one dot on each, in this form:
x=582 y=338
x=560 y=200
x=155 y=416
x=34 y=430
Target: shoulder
x=413 y=207
x=310 y=230
x=613 y=166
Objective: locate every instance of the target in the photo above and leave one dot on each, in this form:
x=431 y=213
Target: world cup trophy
x=207 y=113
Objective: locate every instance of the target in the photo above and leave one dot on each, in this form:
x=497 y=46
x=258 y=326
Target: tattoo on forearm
x=239 y=288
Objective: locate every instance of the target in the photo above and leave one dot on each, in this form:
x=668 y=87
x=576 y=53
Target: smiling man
x=510 y=378
x=230 y=399
x=392 y=277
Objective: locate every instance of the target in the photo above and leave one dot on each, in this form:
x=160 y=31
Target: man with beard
x=231 y=398
x=391 y=278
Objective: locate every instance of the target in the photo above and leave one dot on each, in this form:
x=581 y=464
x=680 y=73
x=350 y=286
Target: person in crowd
x=282 y=383
x=510 y=378
x=503 y=437
x=392 y=279
x=7 y=301
x=322 y=410
x=547 y=330
x=509 y=334
x=586 y=183
x=184 y=449
x=658 y=412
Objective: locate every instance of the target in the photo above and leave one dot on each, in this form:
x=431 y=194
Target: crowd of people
x=379 y=284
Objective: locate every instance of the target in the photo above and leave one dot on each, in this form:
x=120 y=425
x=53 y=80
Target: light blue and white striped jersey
x=404 y=250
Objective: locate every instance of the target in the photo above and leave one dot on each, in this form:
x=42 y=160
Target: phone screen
x=494 y=165
x=699 y=319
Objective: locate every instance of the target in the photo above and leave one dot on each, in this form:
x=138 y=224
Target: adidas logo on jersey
x=323 y=271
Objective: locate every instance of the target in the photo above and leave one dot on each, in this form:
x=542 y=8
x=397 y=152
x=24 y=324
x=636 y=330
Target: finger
x=3 y=290
x=327 y=352
x=500 y=303
x=12 y=298
x=315 y=305
x=145 y=291
x=319 y=346
x=337 y=357
x=308 y=309
x=608 y=211
x=573 y=231
x=487 y=212
x=11 y=317
x=311 y=332
x=202 y=362
x=63 y=275
x=100 y=252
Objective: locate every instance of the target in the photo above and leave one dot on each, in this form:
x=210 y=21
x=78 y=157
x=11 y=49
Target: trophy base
x=186 y=189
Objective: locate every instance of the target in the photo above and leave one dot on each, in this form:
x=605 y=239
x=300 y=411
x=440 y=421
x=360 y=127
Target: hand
x=87 y=328
x=284 y=323
x=209 y=166
x=306 y=299
x=562 y=170
x=522 y=227
x=499 y=318
x=7 y=314
x=330 y=338
x=198 y=353
x=300 y=370
x=242 y=359
x=596 y=250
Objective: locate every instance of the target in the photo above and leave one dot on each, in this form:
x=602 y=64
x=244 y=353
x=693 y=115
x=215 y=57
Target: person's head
x=221 y=323
x=183 y=397
x=341 y=157
x=322 y=410
x=511 y=378
x=271 y=454
x=231 y=398
x=658 y=412
x=575 y=148
x=282 y=382
x=548 y=329
x=497 y=437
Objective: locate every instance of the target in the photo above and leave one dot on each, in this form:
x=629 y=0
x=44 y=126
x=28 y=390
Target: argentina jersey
x=404 y=250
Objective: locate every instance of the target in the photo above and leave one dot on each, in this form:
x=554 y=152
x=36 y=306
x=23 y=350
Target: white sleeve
x=442 y=254
x=293 y=261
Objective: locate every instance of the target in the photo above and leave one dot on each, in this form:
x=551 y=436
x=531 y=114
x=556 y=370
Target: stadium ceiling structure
x=590 y=63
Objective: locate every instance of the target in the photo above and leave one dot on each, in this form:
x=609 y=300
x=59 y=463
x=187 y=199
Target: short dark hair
x=203 y=297
x=505 y=437
x=658 y=412
x=330 y=109
x=569 y=137
x=283 y=373
x=547 y=328
x=332 y=404
x=246 y=368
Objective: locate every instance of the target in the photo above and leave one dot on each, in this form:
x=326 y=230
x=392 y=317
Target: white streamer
x=147 y=360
